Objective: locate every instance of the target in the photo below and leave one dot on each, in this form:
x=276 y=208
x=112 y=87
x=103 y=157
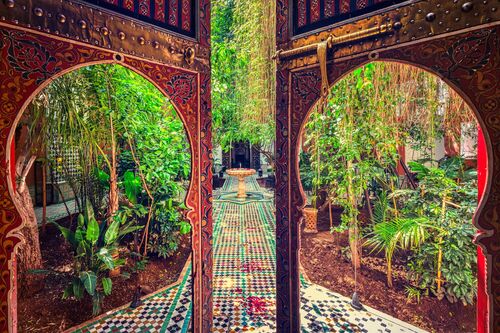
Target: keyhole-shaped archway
x=31 y=62
x=299 y=89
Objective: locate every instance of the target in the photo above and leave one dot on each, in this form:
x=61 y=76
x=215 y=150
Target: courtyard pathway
x=56 y=211
x=244 y=283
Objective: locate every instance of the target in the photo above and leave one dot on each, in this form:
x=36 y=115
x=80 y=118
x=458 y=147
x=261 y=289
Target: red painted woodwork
x=174 y=15
x=28 y=63
x=309 y=15
x=402 y=157
x=297 y=93
x=482 y=294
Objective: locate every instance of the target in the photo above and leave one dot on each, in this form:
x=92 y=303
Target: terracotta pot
x=117 y=271
x=311 y=220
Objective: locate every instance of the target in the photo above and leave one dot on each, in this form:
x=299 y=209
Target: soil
x=430 y=314
x=44 y=310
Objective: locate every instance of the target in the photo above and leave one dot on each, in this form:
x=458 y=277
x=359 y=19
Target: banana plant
x=93 y=245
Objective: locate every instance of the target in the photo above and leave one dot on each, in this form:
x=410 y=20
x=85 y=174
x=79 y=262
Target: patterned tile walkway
x=244 y=284
x=56 y=211
x=167 y=310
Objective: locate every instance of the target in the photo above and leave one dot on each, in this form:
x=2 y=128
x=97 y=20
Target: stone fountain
x=241 y=174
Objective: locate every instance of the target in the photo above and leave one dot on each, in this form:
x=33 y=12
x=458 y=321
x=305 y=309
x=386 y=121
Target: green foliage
x=352 y=149
x=391 y=232
x=243 y=72
x=93 y=246
x=306 y=171
x=449 y=203
x=154 y=165
x=132 y=185
x=437 y=229
x=413 y=293
x=166 y=229
x=354 y=140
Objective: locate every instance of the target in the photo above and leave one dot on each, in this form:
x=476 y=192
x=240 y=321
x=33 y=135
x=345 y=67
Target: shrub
x=445 y=263
x=93 y=245
x=166 y=228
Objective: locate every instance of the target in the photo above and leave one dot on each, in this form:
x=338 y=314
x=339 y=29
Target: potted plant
x=311 y=218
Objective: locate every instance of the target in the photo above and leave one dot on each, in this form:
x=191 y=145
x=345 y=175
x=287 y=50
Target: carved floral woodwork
x=419 y=21
x=95 y=26
x=469 y=63
x=29 y=63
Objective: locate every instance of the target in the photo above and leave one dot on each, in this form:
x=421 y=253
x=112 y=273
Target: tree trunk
x=389 y=272
x=354 y=242
x=355 y=245
x=29 y=255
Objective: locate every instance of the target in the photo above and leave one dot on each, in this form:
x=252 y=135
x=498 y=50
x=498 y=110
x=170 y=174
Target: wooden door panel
x=167 y=42
x=456 y=40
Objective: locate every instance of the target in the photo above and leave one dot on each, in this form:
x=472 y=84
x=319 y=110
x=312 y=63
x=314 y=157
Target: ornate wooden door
x=456 y=40
x=167 y=42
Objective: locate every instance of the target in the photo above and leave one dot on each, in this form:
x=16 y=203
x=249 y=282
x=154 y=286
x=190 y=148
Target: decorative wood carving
x=94 y=26
x=419 y=21
x=469 y=63
x=323 y=13
x=29 y=62
x=177 y=16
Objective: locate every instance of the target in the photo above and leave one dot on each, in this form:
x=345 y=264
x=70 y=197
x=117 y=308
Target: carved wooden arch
x=29 y=62
x=470 y=64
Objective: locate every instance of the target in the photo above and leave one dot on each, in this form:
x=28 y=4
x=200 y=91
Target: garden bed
x=45 y=311
x=430 y=314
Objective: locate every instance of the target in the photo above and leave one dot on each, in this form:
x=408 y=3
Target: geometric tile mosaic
x=244 y=288
x=167 y=310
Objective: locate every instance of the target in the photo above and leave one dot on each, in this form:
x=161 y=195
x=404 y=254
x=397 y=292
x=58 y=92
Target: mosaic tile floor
x=168 y=310
x=56 y=211
x=244 y=284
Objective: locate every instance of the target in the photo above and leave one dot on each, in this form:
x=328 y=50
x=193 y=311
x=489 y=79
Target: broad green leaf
x=89 y=211
x=67 y=234
x=92 y=231
x=77 y=286
x=81 y=221
x=132 y=185
x=79 y=235
x=112 y=233
x=89 y=280
x=96 y=304
x=106 y=258
x=107 y=285
x=129 y=230
x=68 y=292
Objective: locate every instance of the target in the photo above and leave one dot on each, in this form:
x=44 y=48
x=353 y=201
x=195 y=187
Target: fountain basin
x=241 y=174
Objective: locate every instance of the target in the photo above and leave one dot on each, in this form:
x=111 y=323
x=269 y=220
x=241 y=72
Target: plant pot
x=311 y=220
x=117 y=270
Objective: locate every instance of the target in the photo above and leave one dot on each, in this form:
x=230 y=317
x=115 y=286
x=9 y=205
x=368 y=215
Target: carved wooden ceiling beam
x=87 y=24
x=417 y=21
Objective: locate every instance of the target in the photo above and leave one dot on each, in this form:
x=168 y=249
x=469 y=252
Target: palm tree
x=391 y=232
